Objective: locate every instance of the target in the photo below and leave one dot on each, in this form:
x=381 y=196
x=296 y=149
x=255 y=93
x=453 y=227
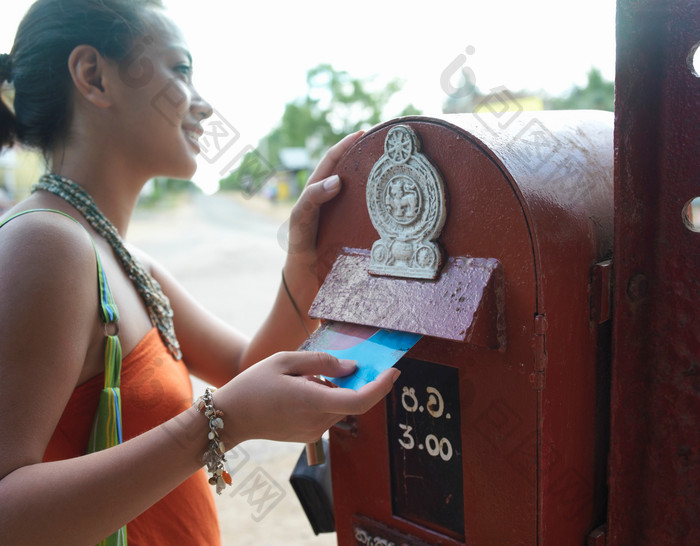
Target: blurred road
x=225 y=251
x=222 y=249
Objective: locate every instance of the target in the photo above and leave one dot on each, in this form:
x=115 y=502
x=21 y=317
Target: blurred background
x=289 y=79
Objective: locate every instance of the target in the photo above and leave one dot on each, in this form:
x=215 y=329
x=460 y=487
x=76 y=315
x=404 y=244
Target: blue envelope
x=374 y=349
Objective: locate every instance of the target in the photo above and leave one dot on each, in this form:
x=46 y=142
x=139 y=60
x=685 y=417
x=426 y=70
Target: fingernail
x=397 y=373
x=331 y=183
x=347 y=364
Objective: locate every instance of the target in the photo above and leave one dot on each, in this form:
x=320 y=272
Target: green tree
x=598 y=94
x=335 y=105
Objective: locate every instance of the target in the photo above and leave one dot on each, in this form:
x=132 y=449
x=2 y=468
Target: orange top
x=154 y=388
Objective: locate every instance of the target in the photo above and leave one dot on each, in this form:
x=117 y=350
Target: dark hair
x=38 y=63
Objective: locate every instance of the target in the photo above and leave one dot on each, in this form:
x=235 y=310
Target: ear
x=87 y=67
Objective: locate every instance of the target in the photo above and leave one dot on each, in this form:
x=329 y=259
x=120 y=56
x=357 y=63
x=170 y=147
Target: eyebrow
x=183 y=50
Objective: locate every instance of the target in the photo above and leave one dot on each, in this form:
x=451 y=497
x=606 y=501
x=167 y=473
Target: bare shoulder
x=48 y=264
x=44 y=242
x=48 y=320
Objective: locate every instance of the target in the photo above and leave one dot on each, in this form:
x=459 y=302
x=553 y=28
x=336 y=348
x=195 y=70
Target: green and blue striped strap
x=107 y=425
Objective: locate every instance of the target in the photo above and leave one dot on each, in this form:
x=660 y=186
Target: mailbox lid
x=464 y=304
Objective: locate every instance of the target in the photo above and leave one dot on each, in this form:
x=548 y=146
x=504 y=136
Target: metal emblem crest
x=406 y=203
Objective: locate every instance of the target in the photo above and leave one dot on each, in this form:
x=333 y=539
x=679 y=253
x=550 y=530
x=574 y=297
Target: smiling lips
x=193 y=134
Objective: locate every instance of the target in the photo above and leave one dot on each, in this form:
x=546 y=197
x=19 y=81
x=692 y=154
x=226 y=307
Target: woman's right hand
x=280 y=399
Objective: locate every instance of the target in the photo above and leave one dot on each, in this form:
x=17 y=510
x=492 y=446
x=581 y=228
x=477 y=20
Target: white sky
x=251 y=58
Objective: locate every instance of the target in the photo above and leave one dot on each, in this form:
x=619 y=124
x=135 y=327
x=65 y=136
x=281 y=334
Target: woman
x=86 y=74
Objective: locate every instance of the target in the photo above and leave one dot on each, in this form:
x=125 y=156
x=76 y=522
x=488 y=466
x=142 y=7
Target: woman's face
x=158 y=112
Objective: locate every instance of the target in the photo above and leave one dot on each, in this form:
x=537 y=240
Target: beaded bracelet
x=214 y=458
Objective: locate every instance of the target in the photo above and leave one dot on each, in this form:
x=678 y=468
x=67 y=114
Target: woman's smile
x=193 y=134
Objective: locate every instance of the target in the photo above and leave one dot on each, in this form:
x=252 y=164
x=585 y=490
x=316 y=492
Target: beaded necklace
x=149 y=289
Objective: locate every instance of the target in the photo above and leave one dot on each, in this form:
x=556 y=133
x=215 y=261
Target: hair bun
x=5 y=67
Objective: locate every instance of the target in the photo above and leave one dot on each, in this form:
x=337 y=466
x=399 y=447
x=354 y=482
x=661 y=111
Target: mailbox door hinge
x=598 y=537
x=537 y=377
x=601 y=291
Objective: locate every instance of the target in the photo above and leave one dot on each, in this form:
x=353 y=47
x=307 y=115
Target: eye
x=185 y=70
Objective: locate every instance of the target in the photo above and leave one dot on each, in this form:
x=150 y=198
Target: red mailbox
x=488 y=236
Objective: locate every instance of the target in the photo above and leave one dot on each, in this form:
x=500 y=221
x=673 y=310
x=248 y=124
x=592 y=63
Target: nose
x=200 y=107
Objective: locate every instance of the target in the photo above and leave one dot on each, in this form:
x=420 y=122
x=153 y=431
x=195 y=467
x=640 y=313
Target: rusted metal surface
x=537 y=197
x=655 y=443
x=448 y=308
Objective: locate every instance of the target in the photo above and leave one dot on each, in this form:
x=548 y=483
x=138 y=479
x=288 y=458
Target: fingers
x=348 y=402
x=327 y=165
x=316 y=363
x=304 y=218
x=318 y=193
x=338 y=400
x=279 y=399
x=323 y=185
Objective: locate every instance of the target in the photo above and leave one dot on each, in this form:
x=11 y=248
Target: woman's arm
x=49 y=330
x=48 y=327
x=282 y=330
x=216 y=352
x=82 y=500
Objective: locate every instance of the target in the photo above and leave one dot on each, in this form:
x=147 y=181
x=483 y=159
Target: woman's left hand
x=216 y=352
x=322 y=186
x=288 y=322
